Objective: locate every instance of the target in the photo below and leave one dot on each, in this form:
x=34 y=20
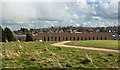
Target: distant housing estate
x=69 y=33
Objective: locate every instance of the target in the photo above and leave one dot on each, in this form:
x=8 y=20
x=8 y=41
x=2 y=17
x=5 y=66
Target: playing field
x=43 y=55
x=109 y=44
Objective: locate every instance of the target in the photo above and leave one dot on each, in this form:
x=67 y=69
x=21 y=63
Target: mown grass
x=43 y=55
x=109 y=44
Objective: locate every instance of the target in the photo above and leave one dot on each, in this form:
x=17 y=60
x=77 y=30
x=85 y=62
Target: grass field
x=109 y=44
x=43 y=55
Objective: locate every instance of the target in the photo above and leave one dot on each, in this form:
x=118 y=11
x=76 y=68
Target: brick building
x=75 y=36
x=19 y=37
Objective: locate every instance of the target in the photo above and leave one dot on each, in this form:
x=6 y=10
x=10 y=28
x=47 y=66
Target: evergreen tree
x=24 y=30
x=4 y=37
x=29 y=37
x=9 y=34
x=0 y=34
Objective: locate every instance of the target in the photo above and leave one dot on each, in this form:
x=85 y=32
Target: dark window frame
x=97 y=38
x=74 y=38
x=78 y=38
x=70 y=38
x=55 y=38
x=51 y=38
x=44 y=38
x=81 y=38
x=105 y=38
x=63 y=39
x=93 y=38
x=48 y=38
x=85 y=38
x=66 y=38
x=101 y=38
x=89 y=38
x=59 y=39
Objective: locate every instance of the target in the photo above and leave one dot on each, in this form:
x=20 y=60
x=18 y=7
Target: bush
x=29 y=37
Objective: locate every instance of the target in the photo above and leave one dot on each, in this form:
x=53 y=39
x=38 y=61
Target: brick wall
x=74 y=36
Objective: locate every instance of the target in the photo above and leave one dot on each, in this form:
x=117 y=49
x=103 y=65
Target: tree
x=24 y=30
x=0 y=34
x=4 y=37
x=29 y=37
x=9 y=34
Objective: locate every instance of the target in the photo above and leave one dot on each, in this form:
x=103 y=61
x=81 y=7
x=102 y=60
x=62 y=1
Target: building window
x=105 y=38
x=66 y=38
x=51 y=38
x=19 y=39
x=23 y=39
x=81 y=38
x=15 y=39
x=101 y=38
x=74 y=38
x=59 y=38
x=63 y=38
x=44 y=39
x=48 y=39
x=93 y=38
x=78 y=38
x=97 y=38
x=70 y=38
x=89 y=38
x=55 y=38
x=85 y=38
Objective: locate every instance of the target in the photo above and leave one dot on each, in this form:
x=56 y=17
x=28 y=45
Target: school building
x=75 y=36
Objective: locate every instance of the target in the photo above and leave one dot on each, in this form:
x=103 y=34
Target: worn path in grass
x=61 y=44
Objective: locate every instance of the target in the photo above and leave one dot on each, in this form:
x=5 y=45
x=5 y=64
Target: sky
x=42 y=14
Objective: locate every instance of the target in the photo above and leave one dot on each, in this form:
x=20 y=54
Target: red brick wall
x=76 y=35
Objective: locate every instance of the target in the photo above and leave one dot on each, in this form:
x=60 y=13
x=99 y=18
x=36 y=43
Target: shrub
x=29 y=37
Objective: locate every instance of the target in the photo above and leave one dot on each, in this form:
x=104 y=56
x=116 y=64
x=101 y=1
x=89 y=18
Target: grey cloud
x=62 y=13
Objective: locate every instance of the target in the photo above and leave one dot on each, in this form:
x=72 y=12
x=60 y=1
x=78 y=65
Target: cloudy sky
x=39 y=13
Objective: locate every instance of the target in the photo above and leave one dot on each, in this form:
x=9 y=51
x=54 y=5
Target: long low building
x=75 y=36
x=19 y=37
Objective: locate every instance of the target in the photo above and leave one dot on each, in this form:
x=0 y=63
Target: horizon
x=57 y=27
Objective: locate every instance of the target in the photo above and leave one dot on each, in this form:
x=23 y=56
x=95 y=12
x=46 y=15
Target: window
x=97 y=38
x=23 y=39
x=55 y=38
x=70 y=38
x=101 y=38
x=105 y=38
x=19 y=39
x=51 y=38
x=89 y=38
x=85 y=38
x=48 y=38
x=74 y=38
x=44 y=39
x=93 y=38
x=78 y=38
x=66 y=38
x=63 y=38
x=81 y=38
x=59 y=38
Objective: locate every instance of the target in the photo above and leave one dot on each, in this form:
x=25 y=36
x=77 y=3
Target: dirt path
x=61 y=44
